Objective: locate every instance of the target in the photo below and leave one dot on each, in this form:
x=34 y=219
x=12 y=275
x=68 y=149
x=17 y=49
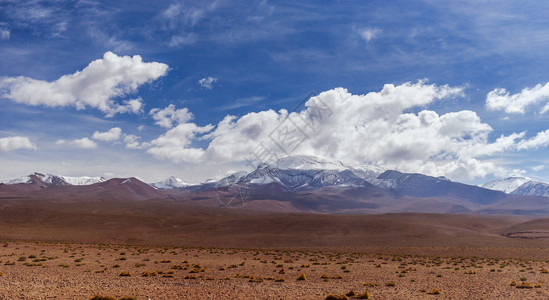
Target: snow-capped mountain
x=507 y=185
x=518 y=185
x=533 y=188
x=54 y=180
x=171 y=183
x=299 y=172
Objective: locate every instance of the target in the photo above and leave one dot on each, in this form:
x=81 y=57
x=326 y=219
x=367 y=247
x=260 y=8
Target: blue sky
x=208 y=79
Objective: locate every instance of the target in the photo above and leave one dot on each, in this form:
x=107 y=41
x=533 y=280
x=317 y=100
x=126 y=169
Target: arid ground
x=168 y=250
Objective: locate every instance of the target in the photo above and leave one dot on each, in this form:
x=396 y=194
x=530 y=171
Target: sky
x=200 y=89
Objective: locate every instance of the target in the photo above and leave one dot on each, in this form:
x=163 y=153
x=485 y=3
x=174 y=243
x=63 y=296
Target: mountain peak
x=171 y=182
x=507 y=185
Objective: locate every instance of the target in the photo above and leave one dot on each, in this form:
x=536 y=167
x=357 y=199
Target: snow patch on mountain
x=297 y=172
x=23 y=179
x=51 y=179
x=507 y=185
x=82 y=180
x=262 y=180
x=533 y=188
x=171 y=183
x=303 y=162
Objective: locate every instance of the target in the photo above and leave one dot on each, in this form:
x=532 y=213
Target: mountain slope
x=506 y=185
x=116 y=189
x=418 y=185
x=533 y=188
x=307 y=172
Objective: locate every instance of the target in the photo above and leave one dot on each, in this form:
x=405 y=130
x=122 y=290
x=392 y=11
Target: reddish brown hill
x=116 y=189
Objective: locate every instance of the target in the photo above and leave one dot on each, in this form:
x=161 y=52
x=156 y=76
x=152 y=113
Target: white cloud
x=168 y=116
x=84 y=143
x=368 y=34
x=538 y=168
x=112 y=135
x=541 y=139
x=174 y=144
x=178 y=13
x=97 y=85
x=242 y=102
x=207 y=82
x=501 y=99
x=16 y=143
x=376 y=128
x=4 y=34
x=132 y=142
x=187 y=14
x=179 y=40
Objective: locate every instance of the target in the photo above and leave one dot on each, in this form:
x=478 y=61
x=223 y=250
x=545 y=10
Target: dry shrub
x=365 y=295
x=434 y=292
x=336 y=297
x=351 y=293
x=98 y=297
x=525 y=285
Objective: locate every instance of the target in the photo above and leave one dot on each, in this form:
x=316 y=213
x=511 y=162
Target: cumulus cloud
x=168 y=116
x=96 y=86
x=207 y=82
x=112 y=134
x=501 y=99
x=391 y=128
x=175 y=144
x=132 y=142
x=4 y=34
x=15 y=143
x=374 y=128
x=368 y=34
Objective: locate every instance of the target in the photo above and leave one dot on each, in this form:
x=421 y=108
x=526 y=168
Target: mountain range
x=301 y=184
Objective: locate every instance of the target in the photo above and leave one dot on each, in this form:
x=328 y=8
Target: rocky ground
x=32 y=270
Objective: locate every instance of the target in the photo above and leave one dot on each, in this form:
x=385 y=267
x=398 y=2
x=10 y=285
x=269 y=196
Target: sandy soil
x=87 y=246
x=80 y=271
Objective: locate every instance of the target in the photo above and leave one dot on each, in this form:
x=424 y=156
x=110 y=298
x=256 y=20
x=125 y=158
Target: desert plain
x=172 y=250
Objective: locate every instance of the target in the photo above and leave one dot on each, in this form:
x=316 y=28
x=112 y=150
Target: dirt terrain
x=80 y=271
x=172 y=250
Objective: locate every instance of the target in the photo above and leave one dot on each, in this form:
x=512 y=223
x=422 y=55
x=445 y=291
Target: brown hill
x=116 y=189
